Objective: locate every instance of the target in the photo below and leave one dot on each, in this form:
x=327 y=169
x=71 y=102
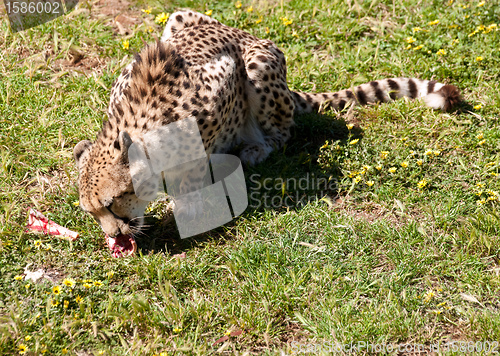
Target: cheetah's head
x=106 y=190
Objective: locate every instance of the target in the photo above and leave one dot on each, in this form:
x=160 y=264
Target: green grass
x=410 y=256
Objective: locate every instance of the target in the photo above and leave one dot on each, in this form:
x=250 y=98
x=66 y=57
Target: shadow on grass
x=287 y=180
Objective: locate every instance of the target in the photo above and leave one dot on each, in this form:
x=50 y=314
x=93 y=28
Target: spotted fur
x=233 y=84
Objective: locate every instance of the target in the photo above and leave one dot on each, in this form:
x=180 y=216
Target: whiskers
x=137 y=228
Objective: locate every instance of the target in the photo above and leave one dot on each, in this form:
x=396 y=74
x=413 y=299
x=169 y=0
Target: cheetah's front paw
x=188 y=207
x=253 y=154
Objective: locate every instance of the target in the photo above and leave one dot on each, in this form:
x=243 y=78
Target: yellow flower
x=250 y=9
x=384 y=154
x=436 y=152
x=357 y=179
x=441 y=52
x=353 y=142
x=78 y=299
x=27 y=286
x=482 y=142
x=480 y=136
x=162 y=18
x=148 y=10
x=259 y=20
x=87 y=285
x=209 y=13
x=409 y=40
x=350 y=126
x=418 y=47
x=177 y=330
x=64 y=351
x=286 y=21
x=267 y=30
x=370 y=183
x=454 y=42
x=478 y=107
x=27 y=338
x=472 y=33
x=44 y=350
x=481 y=202
x=69 y=282
x=56 y=290
x=481 y=4
x=480 y=185
x=429 y=152
x=97 y=283
x=422 y=184
x=479 y=58
x=126 y=44
x=429 y=296
x=66 y=304
x=101 y=352
x=432 y=23
x=392 y=170
x=54 y=303
x=404 y=164
x=22 y=349
x=19 y=277
x=238 y=4
x=110 y=274
x=150 y=29
x=378 y=168
x=408 y=47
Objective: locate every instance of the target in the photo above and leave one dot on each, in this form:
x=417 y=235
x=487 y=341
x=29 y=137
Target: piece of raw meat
x=40 y=223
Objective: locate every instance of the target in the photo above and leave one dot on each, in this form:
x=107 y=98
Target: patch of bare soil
x=122 y=15
x=369 y=212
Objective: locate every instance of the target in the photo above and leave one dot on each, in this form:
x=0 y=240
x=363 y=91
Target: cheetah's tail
x=436 y=95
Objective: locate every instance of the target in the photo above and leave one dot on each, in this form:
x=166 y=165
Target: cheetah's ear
x=80 y=149
x=124 y=142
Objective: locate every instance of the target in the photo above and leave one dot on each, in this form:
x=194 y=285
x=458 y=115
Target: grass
x=378 y=255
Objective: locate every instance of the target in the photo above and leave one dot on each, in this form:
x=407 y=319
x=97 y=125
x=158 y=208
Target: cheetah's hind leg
x=271 y=104
x=184 y=19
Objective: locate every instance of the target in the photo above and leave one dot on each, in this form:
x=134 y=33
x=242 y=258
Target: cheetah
x=233 y=84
